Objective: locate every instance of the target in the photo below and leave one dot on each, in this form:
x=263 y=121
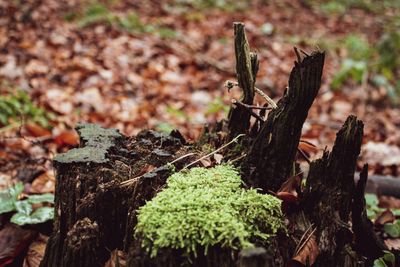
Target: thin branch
x=135 y=179
x=234 y=140
x=230 y=84
x=247 y=108
x=302 y=244
x=269 y=100
x=304 y=155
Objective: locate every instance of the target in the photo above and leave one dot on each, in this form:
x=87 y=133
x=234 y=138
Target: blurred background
x=162 y=64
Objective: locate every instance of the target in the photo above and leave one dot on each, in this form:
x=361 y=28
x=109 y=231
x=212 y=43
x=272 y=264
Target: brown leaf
x=307 y=254
x=218 y=158
x=308 y=147
x=385 y=217
x=389 y=202
x=206 y=162
x=291 y=185
x=70 y=138
x=118 y=258
x=393 y=243
x=37 y=130
x=36 y=251
x=44 y=183
x=13 y=240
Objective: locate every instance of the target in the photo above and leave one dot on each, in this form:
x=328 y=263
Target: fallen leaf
x=36 y=251
x=44 y=183
x=13 y=241
x=218 y=158
x=308 y=147
x=70 y=138
x=206 y=162
x=389 y=202
x=393 y=243
x=117 y=259
x=385 y=217
x=307 y=254
x=288 y=193
x=381 y=153
x=37 y=130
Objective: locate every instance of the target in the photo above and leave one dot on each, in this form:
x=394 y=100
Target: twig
x=135 y=179
x=239 y=103
x=304 y=155
x=234 y=140
x=230 y=84
x=180 y=158
x=236 y=159
x=302 y=242
x=266 y=97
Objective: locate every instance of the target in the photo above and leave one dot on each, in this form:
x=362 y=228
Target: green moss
x=202 y=208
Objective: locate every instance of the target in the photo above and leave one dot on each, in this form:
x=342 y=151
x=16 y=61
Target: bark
x=95 y=210
x=271 y=157
x=367 y=242
x=328 y=196
x=246 y=69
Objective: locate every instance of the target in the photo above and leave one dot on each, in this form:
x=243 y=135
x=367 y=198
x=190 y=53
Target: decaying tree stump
x=101 y=185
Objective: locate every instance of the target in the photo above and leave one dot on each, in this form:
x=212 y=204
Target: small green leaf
x=379 y=263
x=392 y=229
x=16 y=190
x=40 y=215
x=371 y=199
x=6 y=202
x=34 y=199
x=23 y=207
x=389 y=257
x=9 y=196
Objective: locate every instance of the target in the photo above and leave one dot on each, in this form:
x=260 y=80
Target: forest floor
x=133 y=65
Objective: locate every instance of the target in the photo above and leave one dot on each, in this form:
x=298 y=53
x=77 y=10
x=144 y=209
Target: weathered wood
x=271 y=158
x=328 y=196
x=246 y=71
x=90 y=200
x=366 y=241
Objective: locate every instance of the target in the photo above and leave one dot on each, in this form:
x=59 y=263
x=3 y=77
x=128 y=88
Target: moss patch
x=201 y=208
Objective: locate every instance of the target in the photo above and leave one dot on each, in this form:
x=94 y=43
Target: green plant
x=217 y=105
x=371 y=203
x=201 y=208
x=17 y=104
x=225 y=5
x=99 y=13
x=387 y=258
x=9 y=202
x=392 y=229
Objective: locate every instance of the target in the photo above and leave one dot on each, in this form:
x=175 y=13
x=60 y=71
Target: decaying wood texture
x=328 y=196
x=270 y=160
x=246 y=70
x=101 y=185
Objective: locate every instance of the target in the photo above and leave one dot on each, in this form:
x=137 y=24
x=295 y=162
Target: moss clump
x=201 y=208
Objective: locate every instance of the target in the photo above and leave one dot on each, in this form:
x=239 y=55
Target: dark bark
x=246 y=71
x=366 y=241
x=271 y=158
x=328 y=195
x=90 y=199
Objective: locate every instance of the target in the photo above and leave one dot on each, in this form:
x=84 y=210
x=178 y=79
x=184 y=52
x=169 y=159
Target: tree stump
x=101 y=185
